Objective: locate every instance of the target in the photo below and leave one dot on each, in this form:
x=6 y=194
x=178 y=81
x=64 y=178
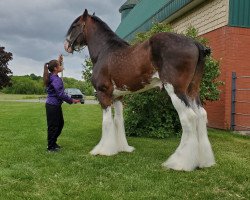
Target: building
x=226 y=24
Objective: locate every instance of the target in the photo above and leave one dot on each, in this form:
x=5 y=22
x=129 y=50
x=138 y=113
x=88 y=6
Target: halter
x=71 y=44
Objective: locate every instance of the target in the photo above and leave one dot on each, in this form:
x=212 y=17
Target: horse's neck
x=98 y=43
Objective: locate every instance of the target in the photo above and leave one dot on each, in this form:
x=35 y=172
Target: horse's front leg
x=108 y=143
x=120 y=130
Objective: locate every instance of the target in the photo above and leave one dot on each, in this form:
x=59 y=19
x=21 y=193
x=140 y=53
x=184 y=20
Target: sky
x=34 y=31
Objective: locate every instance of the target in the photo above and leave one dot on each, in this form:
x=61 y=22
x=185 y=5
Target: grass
x=12 y=97
x=27 y=171
x=6 y=97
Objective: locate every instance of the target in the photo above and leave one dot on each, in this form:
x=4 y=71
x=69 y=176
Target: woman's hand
x=60 y=59
x=76 y=101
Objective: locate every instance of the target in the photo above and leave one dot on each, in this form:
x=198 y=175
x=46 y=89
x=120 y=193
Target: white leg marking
x=186 y=155
x=120 y=130
x=108 y=143
x=206 y=156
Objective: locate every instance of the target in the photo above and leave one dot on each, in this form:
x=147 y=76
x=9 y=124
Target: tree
x=86 y=75
x=151 y=114
x=5 y=72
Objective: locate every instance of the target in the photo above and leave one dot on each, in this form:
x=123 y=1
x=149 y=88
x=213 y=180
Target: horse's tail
x=203 y=52
x=194 y=86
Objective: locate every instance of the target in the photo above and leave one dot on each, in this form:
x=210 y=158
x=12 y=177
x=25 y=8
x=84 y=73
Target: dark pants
x=55 y=123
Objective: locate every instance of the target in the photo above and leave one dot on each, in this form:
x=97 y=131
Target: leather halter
x=71 y=44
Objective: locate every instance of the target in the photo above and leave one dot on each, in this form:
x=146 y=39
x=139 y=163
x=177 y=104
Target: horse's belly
x=155 y=82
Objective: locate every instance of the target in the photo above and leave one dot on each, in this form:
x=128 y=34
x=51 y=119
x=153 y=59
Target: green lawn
x=11 y=97
x=5 y=97
x=27 y=171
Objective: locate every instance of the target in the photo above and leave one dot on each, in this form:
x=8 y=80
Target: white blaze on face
x=67 y=46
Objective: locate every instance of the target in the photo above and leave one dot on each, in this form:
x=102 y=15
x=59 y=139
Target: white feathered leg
x=120 y=130
x=108 y=144
x=206 y=156
x=186 y=155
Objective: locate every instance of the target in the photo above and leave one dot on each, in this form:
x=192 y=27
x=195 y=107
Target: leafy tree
x=151 y=114
x=24 y=85
x=5 y=72
x=86 y=75
x=87 y=70
x=35 y=77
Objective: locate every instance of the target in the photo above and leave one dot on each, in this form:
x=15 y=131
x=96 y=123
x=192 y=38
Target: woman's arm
x=58 y=86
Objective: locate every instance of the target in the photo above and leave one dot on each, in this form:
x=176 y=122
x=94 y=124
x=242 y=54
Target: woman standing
x=56 y=96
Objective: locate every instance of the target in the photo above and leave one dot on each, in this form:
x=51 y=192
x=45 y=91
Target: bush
x=151 y=114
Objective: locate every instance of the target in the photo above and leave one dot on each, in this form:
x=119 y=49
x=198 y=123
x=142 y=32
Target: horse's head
x=76 y=35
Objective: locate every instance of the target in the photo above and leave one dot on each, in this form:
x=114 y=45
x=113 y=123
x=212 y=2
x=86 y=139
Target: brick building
x=226 y=24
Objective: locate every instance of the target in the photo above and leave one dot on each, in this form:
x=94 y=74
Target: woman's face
x=59 y=68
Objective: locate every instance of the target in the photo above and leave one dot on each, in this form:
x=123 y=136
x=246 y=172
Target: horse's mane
x=113 y=39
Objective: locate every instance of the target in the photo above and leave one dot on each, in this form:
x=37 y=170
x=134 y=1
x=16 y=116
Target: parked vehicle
x=75 y=94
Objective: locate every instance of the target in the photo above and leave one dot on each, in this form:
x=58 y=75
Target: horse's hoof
x=182 y=162
x=177 y=166
x=206 y=164
x=206 y=156
x=128 y=149
x=103 y=151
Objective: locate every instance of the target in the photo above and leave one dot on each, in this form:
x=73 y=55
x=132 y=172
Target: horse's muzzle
x=68 y=47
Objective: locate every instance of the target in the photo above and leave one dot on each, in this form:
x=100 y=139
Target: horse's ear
x=85 y=14
x=94 y=14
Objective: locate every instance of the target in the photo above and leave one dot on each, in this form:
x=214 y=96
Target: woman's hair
x=50 y=66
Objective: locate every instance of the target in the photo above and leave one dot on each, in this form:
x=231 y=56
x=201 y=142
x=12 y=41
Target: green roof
x=147 y=12
x=139 y=14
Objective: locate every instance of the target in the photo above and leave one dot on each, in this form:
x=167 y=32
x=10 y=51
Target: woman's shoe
x=52 y=149
x=57 y=146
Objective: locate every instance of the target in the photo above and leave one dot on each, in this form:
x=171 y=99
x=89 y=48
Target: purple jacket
x=55 y=91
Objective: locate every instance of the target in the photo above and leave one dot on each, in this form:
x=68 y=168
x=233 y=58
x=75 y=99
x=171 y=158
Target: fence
x=240 y=103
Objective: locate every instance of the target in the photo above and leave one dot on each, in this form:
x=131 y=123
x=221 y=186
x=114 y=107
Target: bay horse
x=167 y=60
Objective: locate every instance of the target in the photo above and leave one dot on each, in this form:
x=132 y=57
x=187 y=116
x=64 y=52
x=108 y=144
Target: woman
x=56 y=96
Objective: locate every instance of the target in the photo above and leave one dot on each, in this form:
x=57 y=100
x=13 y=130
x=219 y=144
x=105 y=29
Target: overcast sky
x=34 y=31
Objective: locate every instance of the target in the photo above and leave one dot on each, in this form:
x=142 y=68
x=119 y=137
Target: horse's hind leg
x=206 y=156
x=186 y=156
x=119 y=128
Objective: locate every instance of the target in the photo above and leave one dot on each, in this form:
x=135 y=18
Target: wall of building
x=210 y=15
x=231 y=46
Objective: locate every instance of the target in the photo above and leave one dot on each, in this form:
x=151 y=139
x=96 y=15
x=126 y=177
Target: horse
x=167 y=60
